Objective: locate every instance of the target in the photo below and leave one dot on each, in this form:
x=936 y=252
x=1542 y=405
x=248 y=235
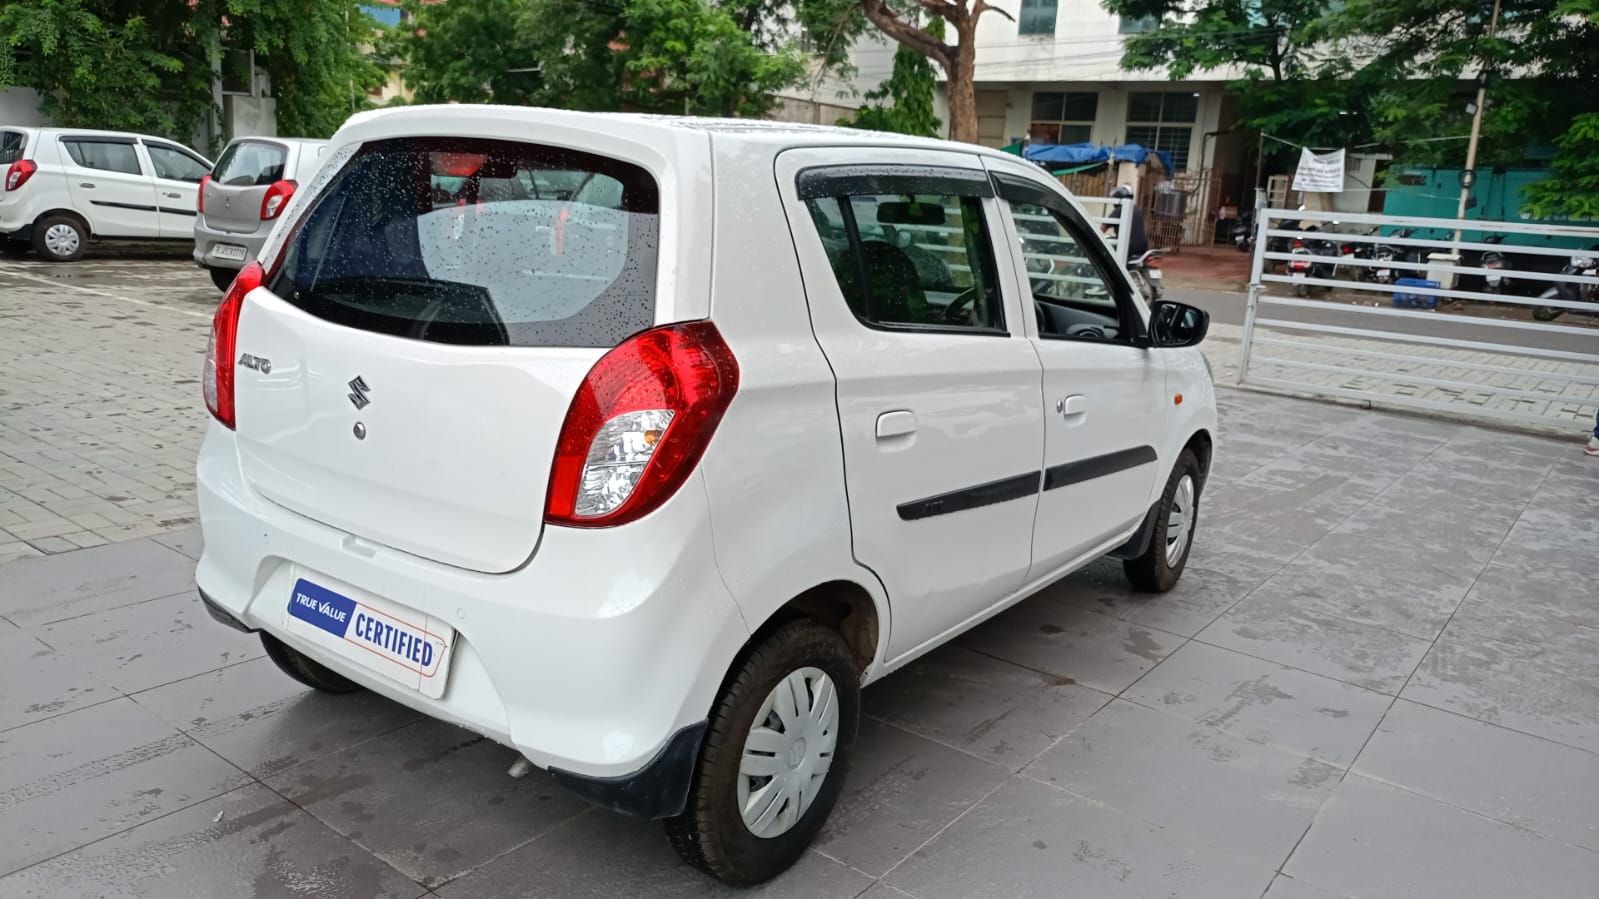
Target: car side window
x=176 y=165
x=916 y=260
x=105 y=156
x=1075 y=295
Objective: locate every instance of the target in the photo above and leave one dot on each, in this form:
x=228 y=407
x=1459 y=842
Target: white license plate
x=1384 y=273
x=1299 y=276
x=400 y=643
x=1155 y=274
x=229 y=252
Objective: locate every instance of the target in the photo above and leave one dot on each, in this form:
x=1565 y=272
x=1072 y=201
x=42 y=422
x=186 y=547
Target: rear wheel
x=60 y=238
x=775 y=757
x=305 y=669
x=222 y=278
x=1546 y=313
x=1162 y=563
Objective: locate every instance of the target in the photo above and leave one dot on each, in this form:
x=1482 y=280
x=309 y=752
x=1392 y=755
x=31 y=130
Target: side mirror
x=1177 y=324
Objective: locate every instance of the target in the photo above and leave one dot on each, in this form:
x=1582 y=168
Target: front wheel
x=1162 y=562
x=775 y=757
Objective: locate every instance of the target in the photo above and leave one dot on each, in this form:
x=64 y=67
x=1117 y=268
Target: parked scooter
x=1581 y=266
x=1384 y=252
x=1146 y=274
x=1244 y=232
x=1302 y=269
x=1494 y=266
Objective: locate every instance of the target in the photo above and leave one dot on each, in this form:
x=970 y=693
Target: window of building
x=1036 y=17
x=1137 y=25
x=1063 y=118
x=1163 y=121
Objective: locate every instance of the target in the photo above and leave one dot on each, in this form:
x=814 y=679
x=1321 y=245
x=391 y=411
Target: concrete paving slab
x=263 y=721
x=1493 y=771
x=1374 y=840
x=1251 y=800
x=41 y=683
x=902 y=790
x=1029 y=840
x=89 y=774
x=1055 y=635
x=44 y=590
x=989 y=708
x=246 y=843
x=1285 y=887
x=639 y=864
x=188 y=541
x=1197 y=600
x=144 y=645
x=1263 y=702
x=432 y=800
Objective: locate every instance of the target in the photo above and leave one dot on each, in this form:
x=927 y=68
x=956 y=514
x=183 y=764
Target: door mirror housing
x=1177 y=324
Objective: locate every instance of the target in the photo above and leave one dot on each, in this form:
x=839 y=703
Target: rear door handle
x=1072 y=406
x=174 y=196
x=900 y=423
x=86 y=185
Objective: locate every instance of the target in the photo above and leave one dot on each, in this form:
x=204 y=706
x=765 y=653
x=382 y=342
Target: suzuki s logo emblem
x=358 y=391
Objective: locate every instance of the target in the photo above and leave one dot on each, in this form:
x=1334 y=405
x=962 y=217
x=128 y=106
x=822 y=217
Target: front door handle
x=86 y=185
x=1072 y=406
x=174 y=196
x=901 y=423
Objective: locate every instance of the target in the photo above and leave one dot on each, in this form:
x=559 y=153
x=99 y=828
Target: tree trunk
x=962 y=72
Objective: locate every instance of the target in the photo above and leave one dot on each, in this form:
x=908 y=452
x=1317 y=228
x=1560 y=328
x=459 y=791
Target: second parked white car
x=65 y=187
x=647 y=478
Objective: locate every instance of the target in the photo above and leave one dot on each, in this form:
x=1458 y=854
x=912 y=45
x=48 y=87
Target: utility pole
x=1469 y=177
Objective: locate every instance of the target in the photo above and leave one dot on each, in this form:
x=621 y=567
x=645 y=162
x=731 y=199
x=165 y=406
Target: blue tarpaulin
x=1081 y=154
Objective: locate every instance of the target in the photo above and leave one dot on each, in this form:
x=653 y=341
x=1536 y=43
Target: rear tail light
x=199 y=204
x=1152 y=262
x=638 y=425
x=19 y=173
x=277 y=197
x=1346 y=250
x=217 y=382
x=1299 y=244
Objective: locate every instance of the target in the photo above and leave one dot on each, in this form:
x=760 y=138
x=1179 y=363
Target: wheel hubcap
x=788 y=752
x=1180 y=520
x=62 y=240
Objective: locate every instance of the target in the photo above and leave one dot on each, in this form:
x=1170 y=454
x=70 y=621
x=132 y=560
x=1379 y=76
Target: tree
x=469 y=52
x=959 y=61
x=1573 y=186
x=147 y=65
x=909 y=91
x=693 y=57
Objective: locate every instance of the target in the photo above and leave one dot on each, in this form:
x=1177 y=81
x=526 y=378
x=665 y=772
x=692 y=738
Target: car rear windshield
x=251 y=163
x=12 y=143
x=463 y=241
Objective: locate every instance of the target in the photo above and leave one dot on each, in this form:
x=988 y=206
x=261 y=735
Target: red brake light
x=199 y=205
x=638 y=425
x=217 y=381
x=19 y=173
x=277 y=197
x=1298 y=244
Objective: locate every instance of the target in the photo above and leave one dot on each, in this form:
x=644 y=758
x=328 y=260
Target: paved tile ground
x=1377 y=679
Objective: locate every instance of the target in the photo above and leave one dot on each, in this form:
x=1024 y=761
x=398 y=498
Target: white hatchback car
x=65 y=186
x=646 y=480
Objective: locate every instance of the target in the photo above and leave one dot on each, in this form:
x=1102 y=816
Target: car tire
x=60 y=238
x=1176 y=519
x=712 y=833
x=305 y=669
x=222 y=278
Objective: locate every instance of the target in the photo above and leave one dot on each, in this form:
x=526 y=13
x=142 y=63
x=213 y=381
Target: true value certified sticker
x=406 y=645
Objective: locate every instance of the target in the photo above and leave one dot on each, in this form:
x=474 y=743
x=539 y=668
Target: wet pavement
x=1376 y=679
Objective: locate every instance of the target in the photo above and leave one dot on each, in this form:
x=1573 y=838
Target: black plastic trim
x=888 y=178
x=1001 y=491
x=1138 y=543
x=191 y=212
x=657 y=790
x=122 y=205
x=223 y=615
x=1097 y=466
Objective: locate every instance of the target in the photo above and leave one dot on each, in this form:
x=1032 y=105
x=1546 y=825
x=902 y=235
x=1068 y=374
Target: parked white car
x=645 y=482
x=64 y=187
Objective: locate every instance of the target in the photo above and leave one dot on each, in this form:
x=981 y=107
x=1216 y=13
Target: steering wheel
x=954 y=313
x=1087 y=332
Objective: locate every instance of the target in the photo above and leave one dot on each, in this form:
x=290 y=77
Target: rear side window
x=457 y=241
x=250 y=164
x=12 y=143
x=104 y=155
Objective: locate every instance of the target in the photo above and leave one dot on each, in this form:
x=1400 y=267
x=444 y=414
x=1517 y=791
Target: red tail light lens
x=1347 y=250
x=639 y=424
x=277 y=197
x=19 y=173
x=199 y=203
x=1299 y=244
x=217 y=382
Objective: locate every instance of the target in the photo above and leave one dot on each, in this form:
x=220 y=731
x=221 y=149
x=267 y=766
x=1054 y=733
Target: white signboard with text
x=1320 y=172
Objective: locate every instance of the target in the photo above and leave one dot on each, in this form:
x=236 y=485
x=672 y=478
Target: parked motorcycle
x=1302 y=269
x=1494 y=266
x=1384 y=252
x=1244 y=232
x=1146 y=274
x=1581 y=266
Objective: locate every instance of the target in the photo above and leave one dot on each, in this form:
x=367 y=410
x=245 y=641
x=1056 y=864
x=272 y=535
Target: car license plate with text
x=229 y=252
x=405 y=645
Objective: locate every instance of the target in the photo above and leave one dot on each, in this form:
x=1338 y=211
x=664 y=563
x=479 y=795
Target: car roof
x=290 y=141
x=459 y=118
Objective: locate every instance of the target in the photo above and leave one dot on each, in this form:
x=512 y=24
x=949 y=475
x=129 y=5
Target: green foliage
x=469 y=52
x=691 y=56
x=146 y=65
x=1573 y=186
x=909 y=95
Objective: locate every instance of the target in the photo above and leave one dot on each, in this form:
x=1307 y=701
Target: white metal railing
x=1509 y=369
x=1114 y=211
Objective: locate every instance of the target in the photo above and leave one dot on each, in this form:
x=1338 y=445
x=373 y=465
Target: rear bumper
x=208 y=239
x=599 y=660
